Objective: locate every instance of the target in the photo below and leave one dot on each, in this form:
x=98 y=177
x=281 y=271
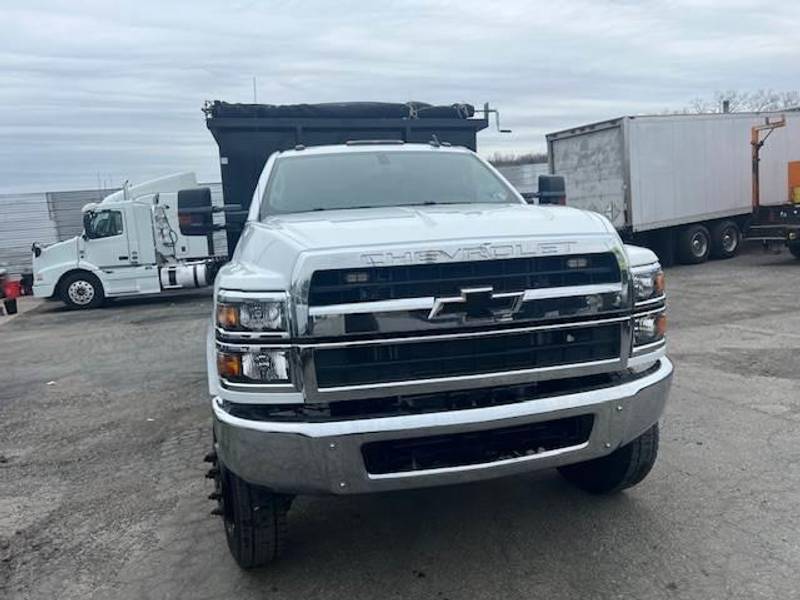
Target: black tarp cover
x=362 y=110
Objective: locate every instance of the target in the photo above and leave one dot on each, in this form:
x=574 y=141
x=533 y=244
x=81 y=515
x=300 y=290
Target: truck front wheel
x=82 y=290
x=255 y=520
x=794 y=248
x=621 y=469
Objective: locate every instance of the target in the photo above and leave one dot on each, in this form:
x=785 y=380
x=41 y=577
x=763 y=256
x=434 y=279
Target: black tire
x=81 y=290
x=255 y=520
x=693 y=245
x=621 y=469
x=726 y=237
x=11 y=306
x=794 y=248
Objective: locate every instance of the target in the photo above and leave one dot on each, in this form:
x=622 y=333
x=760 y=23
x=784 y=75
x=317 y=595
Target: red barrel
x=11 y=289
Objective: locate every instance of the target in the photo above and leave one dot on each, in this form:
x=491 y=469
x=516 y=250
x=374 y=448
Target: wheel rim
x=699 y=244
x=730 y=240
x=80 y=292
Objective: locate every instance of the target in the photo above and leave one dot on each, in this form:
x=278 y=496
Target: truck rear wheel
x=254 y=518
x=621 y=469
x=81 y=290
x=725 y=239
x=694 y=244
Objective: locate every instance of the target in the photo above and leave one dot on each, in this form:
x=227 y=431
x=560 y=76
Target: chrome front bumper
x=326 y=458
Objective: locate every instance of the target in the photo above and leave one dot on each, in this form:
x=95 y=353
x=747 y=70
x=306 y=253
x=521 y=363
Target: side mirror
x=195 y=211
x=552 y=190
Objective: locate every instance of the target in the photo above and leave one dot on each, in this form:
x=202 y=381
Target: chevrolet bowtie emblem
x=478 y=303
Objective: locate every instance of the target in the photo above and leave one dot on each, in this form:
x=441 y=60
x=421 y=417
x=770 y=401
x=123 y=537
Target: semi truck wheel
x=621 y=469
x=255 y=520
x=82 y=290
x=694 y=244
x=725 y=239
x=794 y=248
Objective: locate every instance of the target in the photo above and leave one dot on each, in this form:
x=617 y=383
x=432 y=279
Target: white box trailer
x=681 y=184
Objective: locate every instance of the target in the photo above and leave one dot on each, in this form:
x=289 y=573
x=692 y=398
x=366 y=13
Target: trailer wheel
x=694 y=244
x=794 y=248
x=81 y=290
x=726 y=238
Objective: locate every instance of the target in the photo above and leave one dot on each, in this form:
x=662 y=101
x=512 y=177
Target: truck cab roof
x=357 y=146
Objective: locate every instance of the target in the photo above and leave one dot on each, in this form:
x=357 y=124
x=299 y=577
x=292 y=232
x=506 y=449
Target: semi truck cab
x=132 y=244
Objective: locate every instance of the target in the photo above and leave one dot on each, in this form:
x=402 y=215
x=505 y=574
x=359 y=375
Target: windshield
x=380 y=178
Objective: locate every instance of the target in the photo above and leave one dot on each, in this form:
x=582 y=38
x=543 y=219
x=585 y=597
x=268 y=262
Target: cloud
x=97 y=90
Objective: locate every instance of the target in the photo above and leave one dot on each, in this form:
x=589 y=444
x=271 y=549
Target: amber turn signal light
x=659 y=283
x=227 y=316
x=229 y=365
x=661 y=325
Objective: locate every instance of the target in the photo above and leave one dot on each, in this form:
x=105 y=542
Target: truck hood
x=56 y=254
x=281 y=252
x=410 y=225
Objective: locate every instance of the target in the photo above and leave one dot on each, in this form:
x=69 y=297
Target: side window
x=103 y=224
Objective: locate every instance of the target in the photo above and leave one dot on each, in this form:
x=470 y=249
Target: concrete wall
x=23 y=219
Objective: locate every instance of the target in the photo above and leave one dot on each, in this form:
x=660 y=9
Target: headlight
x=648 y=282
x=266 y=313
x=262 y=366
x=649 y=329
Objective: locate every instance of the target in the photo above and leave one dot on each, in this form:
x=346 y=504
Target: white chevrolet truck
x=396 y=316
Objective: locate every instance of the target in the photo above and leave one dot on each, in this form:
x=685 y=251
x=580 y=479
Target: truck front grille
x=475 y=447
x=423 y=403
x=342 y=286
x=393 y=362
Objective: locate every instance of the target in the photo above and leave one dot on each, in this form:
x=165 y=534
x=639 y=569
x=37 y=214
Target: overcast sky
x=97 y=91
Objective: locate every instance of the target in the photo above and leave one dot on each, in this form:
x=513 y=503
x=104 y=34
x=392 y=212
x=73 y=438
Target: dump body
x=651 y=172
x=247 y=134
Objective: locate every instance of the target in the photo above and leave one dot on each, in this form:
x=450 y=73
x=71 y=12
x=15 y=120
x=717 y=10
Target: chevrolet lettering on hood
x=485 y=251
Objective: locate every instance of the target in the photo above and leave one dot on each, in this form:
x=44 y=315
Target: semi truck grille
x=392 y=362
x=342 y=286
x=475 y=447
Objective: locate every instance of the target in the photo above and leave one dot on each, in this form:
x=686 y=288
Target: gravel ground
x=104 y=420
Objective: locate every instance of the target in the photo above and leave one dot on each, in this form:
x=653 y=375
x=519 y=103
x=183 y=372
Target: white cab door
x=105 y=246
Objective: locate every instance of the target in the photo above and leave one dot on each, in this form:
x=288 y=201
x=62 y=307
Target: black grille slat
x=448 y=279
x=429 y=402
x=475 y=447
x=390 y=362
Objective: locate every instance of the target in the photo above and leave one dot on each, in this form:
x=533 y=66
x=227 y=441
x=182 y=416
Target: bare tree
x=752 y=101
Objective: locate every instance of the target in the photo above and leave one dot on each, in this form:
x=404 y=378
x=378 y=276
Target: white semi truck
x=134 y=243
